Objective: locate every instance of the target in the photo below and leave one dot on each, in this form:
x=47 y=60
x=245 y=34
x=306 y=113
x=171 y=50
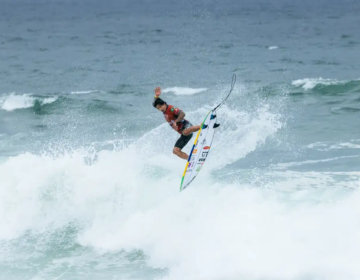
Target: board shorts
x=184 y=139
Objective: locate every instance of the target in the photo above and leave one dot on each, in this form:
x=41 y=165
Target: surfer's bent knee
x=186 y=132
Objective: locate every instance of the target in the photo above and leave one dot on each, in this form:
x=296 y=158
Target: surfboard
x=202 y=144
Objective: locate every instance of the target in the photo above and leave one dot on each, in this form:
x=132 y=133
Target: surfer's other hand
x=157 y=91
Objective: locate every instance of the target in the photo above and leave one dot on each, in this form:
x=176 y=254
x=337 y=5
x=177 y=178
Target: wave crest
x=184 y=90
x=327 y=86
x=14 y=102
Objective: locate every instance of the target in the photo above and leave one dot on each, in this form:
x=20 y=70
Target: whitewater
x=101 y=205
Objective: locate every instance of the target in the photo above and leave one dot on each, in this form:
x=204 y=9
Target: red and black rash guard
x=171 y=114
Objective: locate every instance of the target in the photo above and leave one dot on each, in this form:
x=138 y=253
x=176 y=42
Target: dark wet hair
x=158 y=101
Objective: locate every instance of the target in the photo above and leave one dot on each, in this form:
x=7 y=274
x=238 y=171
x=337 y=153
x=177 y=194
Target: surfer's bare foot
x=180 y=154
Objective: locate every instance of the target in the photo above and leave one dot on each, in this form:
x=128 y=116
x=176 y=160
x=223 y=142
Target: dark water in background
x=88 y=183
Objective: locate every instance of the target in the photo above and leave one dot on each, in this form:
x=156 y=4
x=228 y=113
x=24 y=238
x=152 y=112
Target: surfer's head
x=160 y=104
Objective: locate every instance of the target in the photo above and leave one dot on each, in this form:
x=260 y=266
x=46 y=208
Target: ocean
x=89 y=186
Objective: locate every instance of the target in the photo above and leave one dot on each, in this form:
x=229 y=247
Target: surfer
x=175 y=117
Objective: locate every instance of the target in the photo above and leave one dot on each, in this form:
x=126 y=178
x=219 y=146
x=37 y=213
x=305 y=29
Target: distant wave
x=313 y=82
x=327 y=146
x=184 y=90
x=292 y=164
x=85 y=92
x=328 y=86
x=310 y=83
x=14 y=102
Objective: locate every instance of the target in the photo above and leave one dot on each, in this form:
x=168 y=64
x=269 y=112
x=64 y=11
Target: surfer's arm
x=181 y=116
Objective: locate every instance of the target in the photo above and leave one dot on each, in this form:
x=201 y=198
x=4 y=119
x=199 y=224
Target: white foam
x=299 y=163
x=273 y=47
x=48 y=100
x=184 y=90
x=345 y=145
x=310 y=83
x=319 y=145
x=327 y=146
x=227 y=231
x=84 y=92
x=14 y=102
x=241 y=133
x=129 y=201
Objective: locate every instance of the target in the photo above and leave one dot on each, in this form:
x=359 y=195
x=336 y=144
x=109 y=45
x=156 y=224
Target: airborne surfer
x=175 y=117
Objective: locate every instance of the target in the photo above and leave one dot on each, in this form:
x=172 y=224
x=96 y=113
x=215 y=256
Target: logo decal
x=198 y=168
x=195 y=151
x=206 y=148
x=204 y=154
x=172 y=109
x=202 y=159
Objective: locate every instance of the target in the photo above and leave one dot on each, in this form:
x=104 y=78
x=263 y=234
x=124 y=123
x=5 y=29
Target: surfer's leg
x=180 y=143
x=179 y=153
x=191 y=129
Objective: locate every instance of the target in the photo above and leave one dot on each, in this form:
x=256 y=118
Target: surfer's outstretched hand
x=157 y=91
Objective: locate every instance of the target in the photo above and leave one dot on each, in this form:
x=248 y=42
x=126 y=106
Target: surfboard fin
x=204 y=126
x=216 y=125
x=212 y=117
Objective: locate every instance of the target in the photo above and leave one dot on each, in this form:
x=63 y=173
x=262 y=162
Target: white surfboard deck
x=200 y=150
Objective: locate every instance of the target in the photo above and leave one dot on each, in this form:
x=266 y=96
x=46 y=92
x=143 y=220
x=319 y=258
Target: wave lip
x=14 y=102
x=327 y=87
x=310 y=83
x=184 y=90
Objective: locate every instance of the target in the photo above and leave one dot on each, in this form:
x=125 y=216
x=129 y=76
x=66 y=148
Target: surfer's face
x=161 y=108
